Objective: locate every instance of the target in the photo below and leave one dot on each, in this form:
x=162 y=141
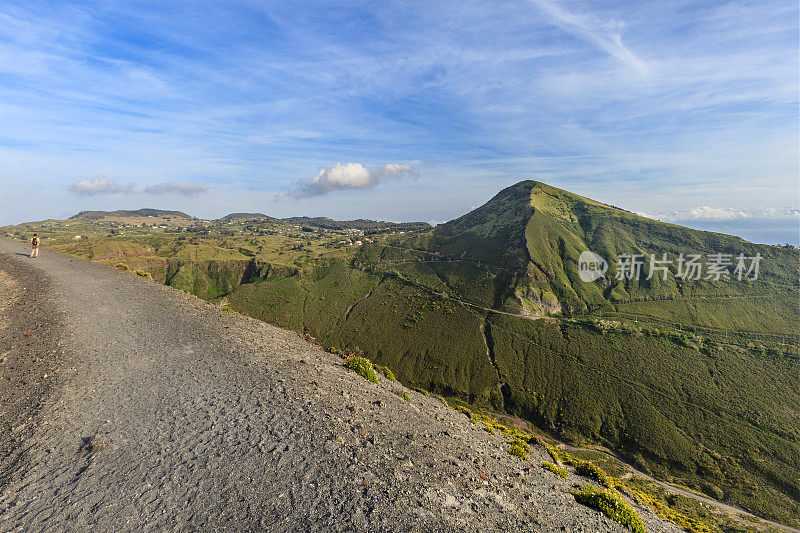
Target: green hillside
x=695 y=381
x=539 y=231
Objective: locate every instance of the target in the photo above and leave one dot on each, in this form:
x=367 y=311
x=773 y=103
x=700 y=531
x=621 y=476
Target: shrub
x=523 y=444
x=553 y=453
x=406 y=397
x=492 y=425
x=143 y=274
x=386 y=372
x=610 y=504
x=121 y=266
x=591 y=470
x=518 y=450
x=362 y=367
x=557 y=470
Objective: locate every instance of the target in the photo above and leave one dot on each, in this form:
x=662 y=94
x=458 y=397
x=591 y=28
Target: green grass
x=717 y=424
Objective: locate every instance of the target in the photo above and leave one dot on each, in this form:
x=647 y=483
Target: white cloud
x=645 y=214
x=346 y=176
x=711 y=213
x=177 y=187
x=99 y=185
x=718 y=214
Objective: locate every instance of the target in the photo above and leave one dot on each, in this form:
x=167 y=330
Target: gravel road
x=160 y=412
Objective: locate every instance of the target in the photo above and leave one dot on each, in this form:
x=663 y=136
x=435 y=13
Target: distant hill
x=360 y=224
x=137 y=213
x=242 y=217
x=314 y=222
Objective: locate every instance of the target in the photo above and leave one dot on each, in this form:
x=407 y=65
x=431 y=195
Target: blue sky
x=687 y=111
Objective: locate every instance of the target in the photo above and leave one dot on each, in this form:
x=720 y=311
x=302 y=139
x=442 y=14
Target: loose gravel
x=162 y=413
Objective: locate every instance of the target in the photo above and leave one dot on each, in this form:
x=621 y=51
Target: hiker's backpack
x=36 y=241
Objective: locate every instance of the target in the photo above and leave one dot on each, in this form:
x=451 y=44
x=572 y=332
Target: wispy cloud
x=341 y=177
x=100 y=185
x=177 y=187
x=606 y=35
x=719 y=214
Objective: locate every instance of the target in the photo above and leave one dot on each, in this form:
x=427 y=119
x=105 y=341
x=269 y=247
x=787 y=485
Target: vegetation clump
x=143 y=274
x=519 y=448
x=406 y=397
x=557 y=470
x=591 y=470
x=121 y=266
x=611 y=504
x=552 y=452
x=362 y=367
x=386 y=371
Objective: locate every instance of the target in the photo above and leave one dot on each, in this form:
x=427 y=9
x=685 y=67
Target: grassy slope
x=564 y=224
x=722 y=423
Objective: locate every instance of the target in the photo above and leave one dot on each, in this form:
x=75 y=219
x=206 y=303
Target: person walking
x=35 y=246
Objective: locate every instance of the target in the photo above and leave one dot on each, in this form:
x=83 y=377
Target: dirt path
x=168 y=414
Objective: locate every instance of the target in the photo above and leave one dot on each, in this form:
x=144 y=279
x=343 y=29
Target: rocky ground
x=161 y=412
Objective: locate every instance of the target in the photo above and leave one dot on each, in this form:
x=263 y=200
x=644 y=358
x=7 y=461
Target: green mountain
x=539 y=232
x=695 y=381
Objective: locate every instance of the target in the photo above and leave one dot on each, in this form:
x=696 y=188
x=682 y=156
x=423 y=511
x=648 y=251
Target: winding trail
x=163 y=413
